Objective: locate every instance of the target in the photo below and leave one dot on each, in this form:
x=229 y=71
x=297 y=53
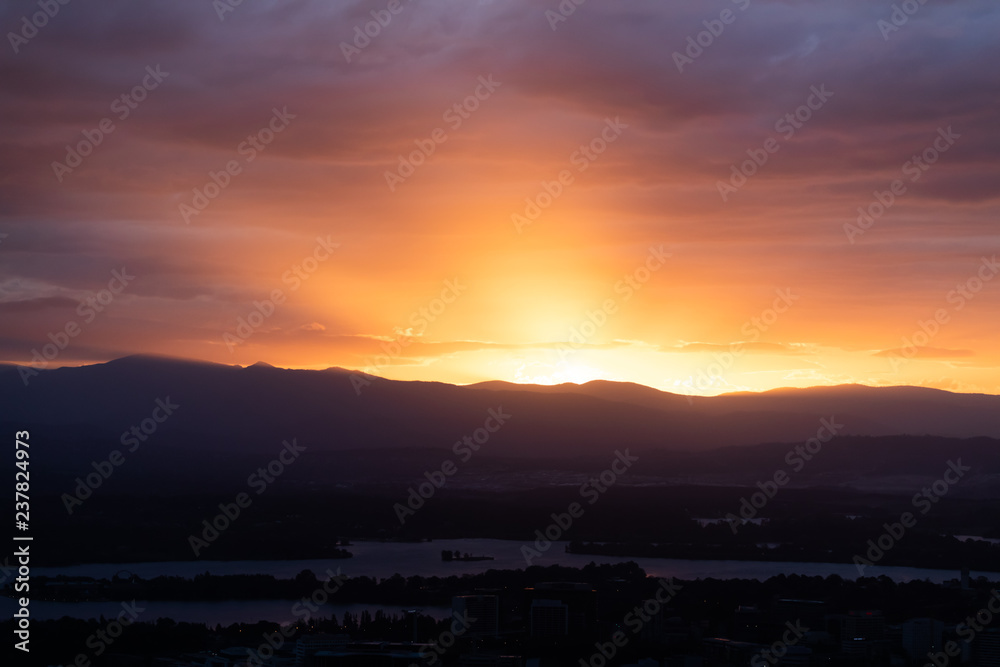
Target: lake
x=383 y=559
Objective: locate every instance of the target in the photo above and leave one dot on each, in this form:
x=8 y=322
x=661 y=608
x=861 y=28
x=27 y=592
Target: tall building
x=748 y=623
x=811 y=613
x=549 y=618
x=921 y=636
x=485 y=609
x=562 y=609
x=986 y=648
x=862 y=634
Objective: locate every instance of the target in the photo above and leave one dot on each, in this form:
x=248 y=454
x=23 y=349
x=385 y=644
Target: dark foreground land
x=614 y=609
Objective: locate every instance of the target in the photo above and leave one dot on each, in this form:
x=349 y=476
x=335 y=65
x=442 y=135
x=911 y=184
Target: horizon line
x=191 y=360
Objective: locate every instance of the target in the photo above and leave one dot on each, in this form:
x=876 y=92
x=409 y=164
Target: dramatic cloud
x=306 y=183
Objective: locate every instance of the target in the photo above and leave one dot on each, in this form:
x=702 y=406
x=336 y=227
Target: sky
x=702 y=197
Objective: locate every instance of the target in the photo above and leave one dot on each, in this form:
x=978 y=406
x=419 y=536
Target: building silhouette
x=484 y=609
x=561 y=609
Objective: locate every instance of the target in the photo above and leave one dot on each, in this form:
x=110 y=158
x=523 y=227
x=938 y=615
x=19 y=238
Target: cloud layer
x=418 y=147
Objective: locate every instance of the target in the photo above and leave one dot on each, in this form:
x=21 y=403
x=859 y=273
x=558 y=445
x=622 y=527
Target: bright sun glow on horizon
x=697 y=373
x=561 y=373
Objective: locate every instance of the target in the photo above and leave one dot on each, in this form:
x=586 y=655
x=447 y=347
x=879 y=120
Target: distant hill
x=889 y=410
x=232 y=419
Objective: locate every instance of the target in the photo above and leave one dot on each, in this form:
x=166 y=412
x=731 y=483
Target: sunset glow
x=438 y=206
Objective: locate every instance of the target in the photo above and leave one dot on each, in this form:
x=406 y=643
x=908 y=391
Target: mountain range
x=229 y=418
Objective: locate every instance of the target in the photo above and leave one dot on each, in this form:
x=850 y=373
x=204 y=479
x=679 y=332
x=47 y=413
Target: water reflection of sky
x=383 y=559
